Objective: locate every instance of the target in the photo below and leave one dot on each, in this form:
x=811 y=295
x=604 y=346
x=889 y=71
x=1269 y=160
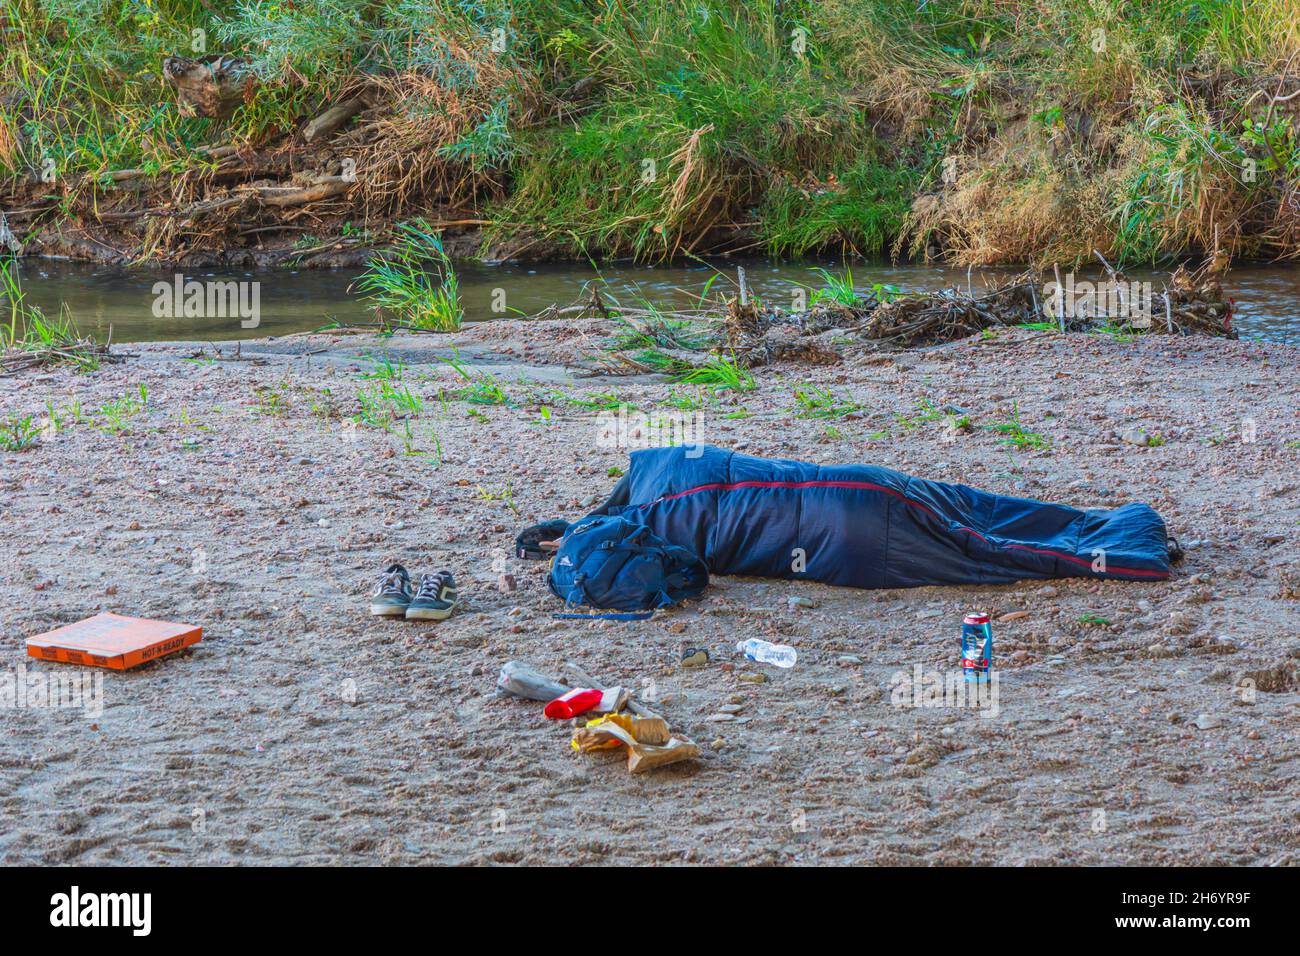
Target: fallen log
x=324 y=187
x=331 y=120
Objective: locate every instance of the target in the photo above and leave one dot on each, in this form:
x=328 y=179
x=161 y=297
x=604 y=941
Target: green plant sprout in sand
x=1015 y=434
x=18 y=434
x=814 y=401
x=505 y=495
x=118 y=411
x=482 y=388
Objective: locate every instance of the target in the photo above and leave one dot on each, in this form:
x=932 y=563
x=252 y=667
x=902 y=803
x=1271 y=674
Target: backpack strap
x=607 y=616
x=570 y=602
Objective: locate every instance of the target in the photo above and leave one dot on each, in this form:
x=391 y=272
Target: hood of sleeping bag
x=870 y=527
x=619 y=564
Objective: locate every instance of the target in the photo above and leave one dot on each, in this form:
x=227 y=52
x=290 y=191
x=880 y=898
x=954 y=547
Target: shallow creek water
x=1267 y=298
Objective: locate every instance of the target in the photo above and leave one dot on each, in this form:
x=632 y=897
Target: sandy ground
x=303 y=731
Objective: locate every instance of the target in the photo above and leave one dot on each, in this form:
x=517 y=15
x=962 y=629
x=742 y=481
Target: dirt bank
x=236 y=134
x=236 y=495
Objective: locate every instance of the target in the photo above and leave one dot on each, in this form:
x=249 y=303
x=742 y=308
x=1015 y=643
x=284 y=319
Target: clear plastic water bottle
x=765 y=652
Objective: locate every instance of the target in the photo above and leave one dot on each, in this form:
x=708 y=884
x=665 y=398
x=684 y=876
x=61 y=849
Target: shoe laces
x=431 y=585
x=392 y=582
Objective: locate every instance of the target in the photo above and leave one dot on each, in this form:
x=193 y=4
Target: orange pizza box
x=111 y=640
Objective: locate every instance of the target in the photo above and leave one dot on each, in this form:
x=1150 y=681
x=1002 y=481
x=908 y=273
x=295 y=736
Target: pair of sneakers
x=432 y=599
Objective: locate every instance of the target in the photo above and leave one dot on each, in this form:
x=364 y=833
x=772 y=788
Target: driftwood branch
x=331 y=120
x=325 y=187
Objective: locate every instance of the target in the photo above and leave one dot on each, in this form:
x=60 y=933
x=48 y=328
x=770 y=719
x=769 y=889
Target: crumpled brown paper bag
x=648 y=740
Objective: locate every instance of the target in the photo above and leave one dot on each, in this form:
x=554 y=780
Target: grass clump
x=30 y=338
x=657 y=332
x=719 y=373
x=813 y=401
x=385 y=402
x=481 y=388
x=710 y=111
x=840 y=289
x=416 y=281
x=858 y=211
x=1016 y=435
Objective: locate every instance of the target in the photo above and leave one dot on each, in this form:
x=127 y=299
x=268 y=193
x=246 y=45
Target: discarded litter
x=520 y=679
x=582 y=699
x=695 y=657
x=976 y=647
x=113 y=641
x=648 y=741
x=646 y=735
x=765 y=652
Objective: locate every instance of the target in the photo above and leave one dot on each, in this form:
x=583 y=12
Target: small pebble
x=1134 y=435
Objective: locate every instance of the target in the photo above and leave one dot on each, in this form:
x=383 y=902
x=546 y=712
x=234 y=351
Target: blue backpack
x=606 y=561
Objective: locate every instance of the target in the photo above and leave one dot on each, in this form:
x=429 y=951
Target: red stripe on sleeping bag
x=869 y=486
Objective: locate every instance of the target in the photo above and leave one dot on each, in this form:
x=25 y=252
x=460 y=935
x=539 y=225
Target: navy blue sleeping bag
x=869 y=527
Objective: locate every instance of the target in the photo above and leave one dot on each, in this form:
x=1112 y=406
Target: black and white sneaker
x=392 y=594
x=434 y=598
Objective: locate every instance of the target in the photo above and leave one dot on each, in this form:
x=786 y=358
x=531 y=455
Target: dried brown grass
x=8 y=145
x=399 y=166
